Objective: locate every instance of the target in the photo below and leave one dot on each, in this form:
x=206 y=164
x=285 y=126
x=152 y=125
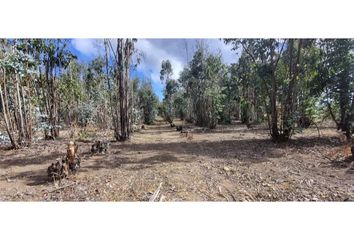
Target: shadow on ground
x=248 y=150
x=130 y=164
x=30 y=160
x=32 y=178
x=344 y=163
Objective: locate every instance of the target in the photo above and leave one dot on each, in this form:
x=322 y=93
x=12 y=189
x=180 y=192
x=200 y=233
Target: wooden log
x=156 y=194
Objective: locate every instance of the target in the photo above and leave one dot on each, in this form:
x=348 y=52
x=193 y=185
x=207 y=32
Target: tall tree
x=166 y=71
x=170 y=89
x=123 y=56
x=202 y=80
x=277 y=63
x=334 y=78
x=56 y=56
x=18 y=69
x=148 y=102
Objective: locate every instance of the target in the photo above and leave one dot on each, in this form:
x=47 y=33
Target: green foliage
x=202 y=83
x=171 y=87
x=166 y=70
x=282 y=81
x=86 y=113
x=18 y=62
x=70 y=85
x=180 y=105
x=333 y=79
x=170 y=91
x=148 y=102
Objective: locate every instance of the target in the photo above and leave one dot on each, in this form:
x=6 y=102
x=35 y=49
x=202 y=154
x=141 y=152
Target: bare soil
x=230 y=163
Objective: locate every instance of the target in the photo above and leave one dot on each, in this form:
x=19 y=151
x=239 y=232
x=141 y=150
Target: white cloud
x=154 y=51
x=152 y=56
x=88 y=47
x=228 y=56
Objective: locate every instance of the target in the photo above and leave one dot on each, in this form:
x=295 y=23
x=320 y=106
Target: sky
x=153 y=51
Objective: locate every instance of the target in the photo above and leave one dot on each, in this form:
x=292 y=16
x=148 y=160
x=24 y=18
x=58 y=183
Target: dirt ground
x=230 y=163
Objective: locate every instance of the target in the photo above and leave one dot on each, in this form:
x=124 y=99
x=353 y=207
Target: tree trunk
x=289 y=103
x=6 y=114
x=123 y=55
x=274 y=113
x=349 y=121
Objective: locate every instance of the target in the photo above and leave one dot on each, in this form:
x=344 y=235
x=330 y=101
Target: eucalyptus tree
x=166 y=71
x=335 y=82
x=248 y=89
x=121 y=108
x=171 y=87
x=56 y=56
x=277 y=62
x=98 y=92
x=180 y=104
x=137 y=113
x=148 y=102
x=18 y=71
x=72 y=93
x=202 y=81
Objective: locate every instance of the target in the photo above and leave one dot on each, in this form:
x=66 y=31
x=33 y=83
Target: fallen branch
x=221 y=194
x=156 y=193
x=60 y=188
x=232 y=195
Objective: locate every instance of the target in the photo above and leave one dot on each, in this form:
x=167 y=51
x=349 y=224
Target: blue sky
x=152 y=52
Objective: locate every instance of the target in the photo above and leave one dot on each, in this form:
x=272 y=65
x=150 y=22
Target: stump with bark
x=99 y=147
x=57 y=171
x=69 y=164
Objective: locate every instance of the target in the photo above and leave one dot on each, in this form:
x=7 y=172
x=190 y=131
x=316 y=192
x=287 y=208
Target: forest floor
x=230 y=163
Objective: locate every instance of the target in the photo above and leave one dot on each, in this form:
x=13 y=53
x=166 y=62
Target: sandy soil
x=231 y=163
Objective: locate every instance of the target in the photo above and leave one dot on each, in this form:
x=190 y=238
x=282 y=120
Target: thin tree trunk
x=293 y=73
x=274 y=114
x=20 y=111
x=6 y=113
x=348 y=131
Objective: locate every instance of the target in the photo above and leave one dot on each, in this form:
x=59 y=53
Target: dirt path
x=231 y=163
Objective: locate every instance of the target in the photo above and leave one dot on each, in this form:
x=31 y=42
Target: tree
x=55 y=57
x=71 y=93
x=334 y=78
x=202 y=81
x=277 y=63
x=170 y=89
x=98 y=92
x=180 y=104
x=122 y=56
x=148 y=102
x=245 y=89
x=18 y=69
x=166 y=71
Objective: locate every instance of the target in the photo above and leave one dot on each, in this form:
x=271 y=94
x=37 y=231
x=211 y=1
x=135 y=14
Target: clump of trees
x=148 y=102
x=294 y=72
x=16 y=90
x=287 y=83
x=43 y=88
x=284 y=82
x=200 y=96
x=167 y=108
